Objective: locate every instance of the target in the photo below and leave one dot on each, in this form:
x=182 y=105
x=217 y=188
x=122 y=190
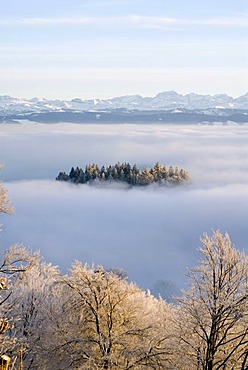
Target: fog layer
x=153 y=232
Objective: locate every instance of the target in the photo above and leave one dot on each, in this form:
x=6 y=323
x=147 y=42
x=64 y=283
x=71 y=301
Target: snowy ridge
x=169 y=100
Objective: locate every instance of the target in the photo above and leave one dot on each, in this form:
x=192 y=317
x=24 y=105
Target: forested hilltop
x=126 y=173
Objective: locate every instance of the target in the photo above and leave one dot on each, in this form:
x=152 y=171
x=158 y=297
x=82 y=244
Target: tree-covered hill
x=124 y=172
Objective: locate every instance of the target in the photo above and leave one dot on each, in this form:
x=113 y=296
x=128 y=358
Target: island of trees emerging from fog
x=126 y=173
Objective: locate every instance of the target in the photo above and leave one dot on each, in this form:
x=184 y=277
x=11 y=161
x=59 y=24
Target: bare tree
x=213 y=314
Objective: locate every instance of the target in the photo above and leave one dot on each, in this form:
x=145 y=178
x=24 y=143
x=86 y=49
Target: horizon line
x=122 y=96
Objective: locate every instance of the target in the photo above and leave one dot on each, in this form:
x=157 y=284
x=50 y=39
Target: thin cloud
x=135 y=21
x=161 y=22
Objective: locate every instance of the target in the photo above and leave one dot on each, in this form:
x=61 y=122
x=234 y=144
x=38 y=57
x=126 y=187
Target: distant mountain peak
x=165 y=100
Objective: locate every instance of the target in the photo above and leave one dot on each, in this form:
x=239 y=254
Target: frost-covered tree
x=15 y=260
x=34 y=305
x=213 y=314
x=107 y=323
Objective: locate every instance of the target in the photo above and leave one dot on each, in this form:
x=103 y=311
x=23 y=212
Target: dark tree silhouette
x=126 y=173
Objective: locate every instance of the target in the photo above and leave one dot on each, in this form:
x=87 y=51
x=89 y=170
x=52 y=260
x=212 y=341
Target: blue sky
x=104 y=48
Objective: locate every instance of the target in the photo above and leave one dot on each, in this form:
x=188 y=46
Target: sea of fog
x=152 y=233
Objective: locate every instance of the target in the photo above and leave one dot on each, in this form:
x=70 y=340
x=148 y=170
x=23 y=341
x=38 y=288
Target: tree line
x=124 y=172
x=94 y=319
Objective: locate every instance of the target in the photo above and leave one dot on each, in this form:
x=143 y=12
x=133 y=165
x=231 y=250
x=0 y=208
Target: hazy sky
x=152 y=233
x=105 y=48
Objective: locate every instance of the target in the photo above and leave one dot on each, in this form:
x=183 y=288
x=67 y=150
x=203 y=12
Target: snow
x=164 y=100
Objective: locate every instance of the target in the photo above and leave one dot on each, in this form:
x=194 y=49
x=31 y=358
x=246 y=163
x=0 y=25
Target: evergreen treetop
x=124 y=172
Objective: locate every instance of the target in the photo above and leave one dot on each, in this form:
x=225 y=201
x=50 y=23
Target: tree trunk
x=245 y=362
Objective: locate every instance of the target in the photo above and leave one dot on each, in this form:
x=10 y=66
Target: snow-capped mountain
x=165 y=107
x=162 y=101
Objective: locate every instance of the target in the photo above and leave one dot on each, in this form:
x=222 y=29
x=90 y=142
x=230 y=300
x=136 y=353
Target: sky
x=152 y=233
x=105 y=48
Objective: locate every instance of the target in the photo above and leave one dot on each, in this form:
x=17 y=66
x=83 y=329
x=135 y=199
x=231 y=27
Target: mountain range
x=165 y=106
